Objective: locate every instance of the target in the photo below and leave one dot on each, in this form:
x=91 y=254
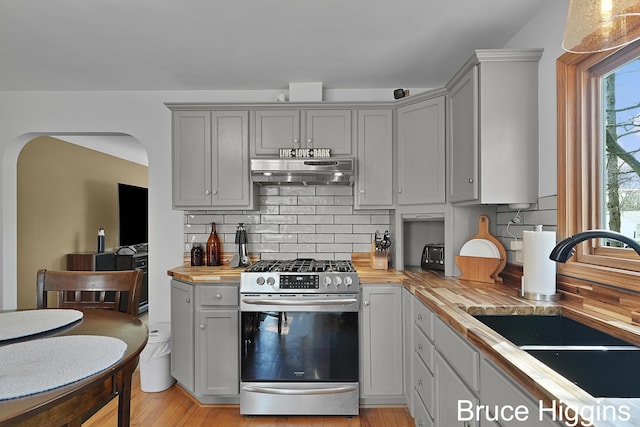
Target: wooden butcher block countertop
x=457 y=301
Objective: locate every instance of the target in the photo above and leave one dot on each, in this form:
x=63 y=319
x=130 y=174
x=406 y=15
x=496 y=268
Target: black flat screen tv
x=133 y=213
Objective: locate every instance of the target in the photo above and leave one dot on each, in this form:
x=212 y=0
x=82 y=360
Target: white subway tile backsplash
x=334 y=228
x=316 y=200
x=316 y=219
x=353 y=219
x=332 y=190
x=297 y=191
x=298 y=210
x=299 y=229
x=295 y=221
x=279 y=238
x=342 y=247
x=334 y=210
x=344 y=200
x=279 y=219
x=353 y=238
x=297 y=247
x=316 y=238
x=278 y=200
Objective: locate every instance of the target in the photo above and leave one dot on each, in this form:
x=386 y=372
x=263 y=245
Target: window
x=599 y=161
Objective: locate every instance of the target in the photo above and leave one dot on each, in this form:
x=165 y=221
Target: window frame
x=578 y=100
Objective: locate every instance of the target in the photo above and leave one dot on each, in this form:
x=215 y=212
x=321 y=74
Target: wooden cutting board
x=477 y=268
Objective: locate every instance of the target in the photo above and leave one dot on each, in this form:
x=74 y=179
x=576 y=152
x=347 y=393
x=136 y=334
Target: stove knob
x=348 y=281
x=260 y=280
x=271 y=281
x=337 y=281
x=327 y=281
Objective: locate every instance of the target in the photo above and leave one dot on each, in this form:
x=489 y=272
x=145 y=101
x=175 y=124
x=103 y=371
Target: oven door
x=317 y=339
x=308 y=365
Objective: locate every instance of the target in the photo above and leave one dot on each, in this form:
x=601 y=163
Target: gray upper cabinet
x=211 y=160
x=421 y=152
x=374 y=183
x=276 y=128
x=329 y=129
x=493 y=132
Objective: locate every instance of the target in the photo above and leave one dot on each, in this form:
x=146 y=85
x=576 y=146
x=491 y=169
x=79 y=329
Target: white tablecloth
x=43 y=364
x=17 y=324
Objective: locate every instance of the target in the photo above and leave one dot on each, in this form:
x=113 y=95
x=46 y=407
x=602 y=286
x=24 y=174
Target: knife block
x=379 y=260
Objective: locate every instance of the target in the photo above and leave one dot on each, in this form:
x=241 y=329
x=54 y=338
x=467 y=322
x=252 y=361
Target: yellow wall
x=65 y=193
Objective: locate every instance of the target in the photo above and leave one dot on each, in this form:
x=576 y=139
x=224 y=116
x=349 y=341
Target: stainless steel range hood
x=306 y=171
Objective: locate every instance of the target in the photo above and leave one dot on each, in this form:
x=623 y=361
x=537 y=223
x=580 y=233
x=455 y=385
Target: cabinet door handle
x=218 y=296
x=361 y=191
x=419 y=347
x=207 y=192
x=366 y=303
x=420 y=317
x=202 y=326
x=188 y=300
x=215 y=192
x=399 y=190
x=295 y=141
x=470 y=180
x=309 y=141
x=420 y=382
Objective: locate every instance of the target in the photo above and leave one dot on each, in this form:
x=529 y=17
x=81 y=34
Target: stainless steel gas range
x=299 y=338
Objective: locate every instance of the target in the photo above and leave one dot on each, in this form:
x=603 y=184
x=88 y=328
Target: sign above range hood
x=302 y=171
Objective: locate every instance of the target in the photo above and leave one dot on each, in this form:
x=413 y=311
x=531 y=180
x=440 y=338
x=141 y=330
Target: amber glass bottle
x=214 y=247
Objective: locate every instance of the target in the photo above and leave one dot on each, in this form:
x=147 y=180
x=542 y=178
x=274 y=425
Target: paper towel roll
x=539 y=271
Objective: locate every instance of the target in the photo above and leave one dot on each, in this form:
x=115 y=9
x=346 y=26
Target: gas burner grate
x=302 y=265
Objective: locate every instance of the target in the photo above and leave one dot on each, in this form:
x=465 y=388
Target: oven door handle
x=301 y=391
x=292 y=302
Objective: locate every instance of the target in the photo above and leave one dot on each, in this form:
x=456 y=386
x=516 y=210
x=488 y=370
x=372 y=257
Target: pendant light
x=598 y=25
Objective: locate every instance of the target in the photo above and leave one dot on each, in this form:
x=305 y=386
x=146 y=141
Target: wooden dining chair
x=110 y=290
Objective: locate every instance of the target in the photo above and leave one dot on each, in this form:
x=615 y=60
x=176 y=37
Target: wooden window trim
x=577 y=122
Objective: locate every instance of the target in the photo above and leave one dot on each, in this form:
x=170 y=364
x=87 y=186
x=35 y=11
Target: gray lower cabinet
x=374 y=183
x=455 y=385
x=381 y=378
x=502 y=395
x=212 y=349
x=211 y=160
x=182 y=318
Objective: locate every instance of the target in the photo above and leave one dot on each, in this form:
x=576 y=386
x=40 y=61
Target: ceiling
x=246 y=44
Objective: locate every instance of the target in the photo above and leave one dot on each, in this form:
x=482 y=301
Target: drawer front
x=421 y=416
x=462 y=357
x=500 y=392
x=423 y=383
x=218 y=295
x=423 y=348
x=423 y=318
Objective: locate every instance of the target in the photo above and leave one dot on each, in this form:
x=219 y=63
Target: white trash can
x=155 y=359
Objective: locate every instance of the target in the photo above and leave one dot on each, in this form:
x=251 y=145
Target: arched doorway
x=66 y=190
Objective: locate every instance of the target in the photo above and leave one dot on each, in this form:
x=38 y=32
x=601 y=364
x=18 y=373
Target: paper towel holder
x=540 y=296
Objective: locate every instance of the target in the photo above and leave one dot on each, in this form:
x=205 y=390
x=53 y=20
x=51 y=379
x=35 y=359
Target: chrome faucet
x=566 y=248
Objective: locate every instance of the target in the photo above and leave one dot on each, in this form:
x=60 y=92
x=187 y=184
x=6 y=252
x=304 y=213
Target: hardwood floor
x=174 y=407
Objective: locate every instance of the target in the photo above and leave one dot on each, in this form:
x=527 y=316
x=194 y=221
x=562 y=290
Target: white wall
x=142 y=115
x=139 y=114
x=545 y=31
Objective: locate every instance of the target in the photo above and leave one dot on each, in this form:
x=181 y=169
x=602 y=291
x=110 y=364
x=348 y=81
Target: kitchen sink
x=600 y=364
x=554 y=330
